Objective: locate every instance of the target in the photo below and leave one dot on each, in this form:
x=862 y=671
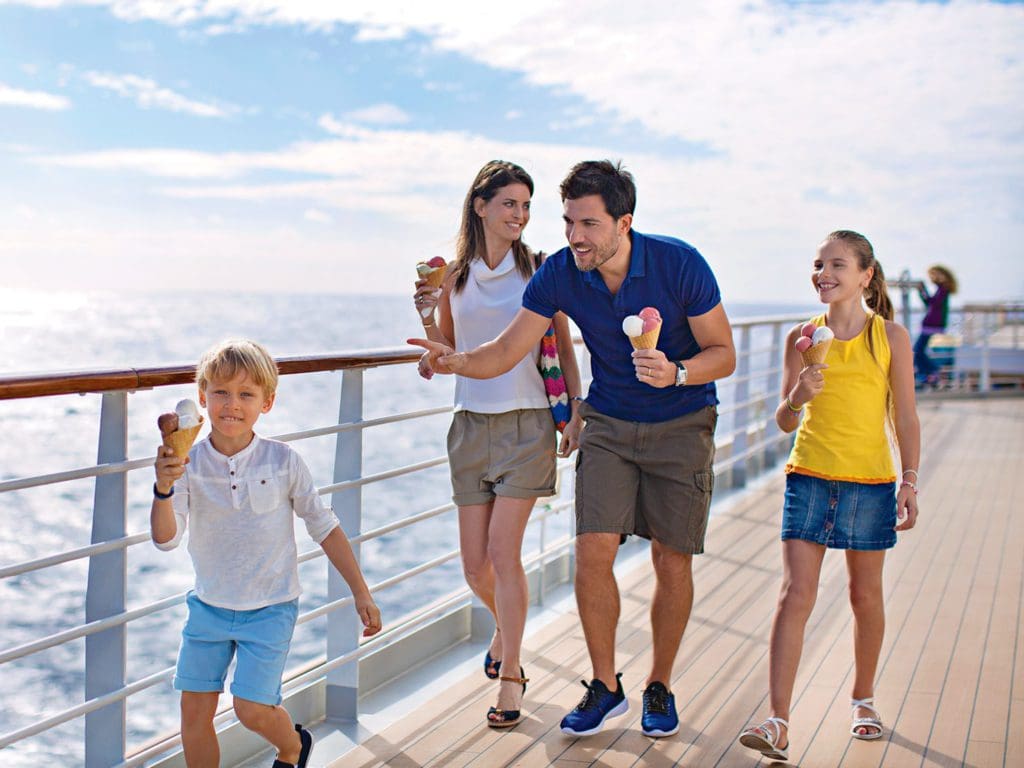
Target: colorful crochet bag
x=551 y=373
x=554 y=381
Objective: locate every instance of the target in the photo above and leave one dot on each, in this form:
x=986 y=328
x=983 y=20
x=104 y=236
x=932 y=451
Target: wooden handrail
x=26 y=385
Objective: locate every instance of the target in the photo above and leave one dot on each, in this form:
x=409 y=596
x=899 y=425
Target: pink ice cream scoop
x=807 y=329
x=651 y=318
x=803 y=343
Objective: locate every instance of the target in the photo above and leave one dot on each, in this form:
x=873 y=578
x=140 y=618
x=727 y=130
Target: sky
x=324 y=146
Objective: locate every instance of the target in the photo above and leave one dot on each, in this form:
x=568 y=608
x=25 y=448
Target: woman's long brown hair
x=470 y=244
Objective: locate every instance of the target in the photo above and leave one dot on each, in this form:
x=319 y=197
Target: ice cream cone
x=647 y=340
x=180 y=440
x=435 y=278
x=816 y=353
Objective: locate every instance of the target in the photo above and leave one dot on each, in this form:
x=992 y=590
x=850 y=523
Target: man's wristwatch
x=680 y=374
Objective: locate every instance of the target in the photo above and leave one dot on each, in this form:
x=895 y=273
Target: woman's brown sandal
x=506 y=718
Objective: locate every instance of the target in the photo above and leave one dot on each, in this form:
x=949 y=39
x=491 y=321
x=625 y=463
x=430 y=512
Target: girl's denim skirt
x=839 y=514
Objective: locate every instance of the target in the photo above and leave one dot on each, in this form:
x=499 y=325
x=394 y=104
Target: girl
x=934 y=322
x=841 y=489
x=501 y=444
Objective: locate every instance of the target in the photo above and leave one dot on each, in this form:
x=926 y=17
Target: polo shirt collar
x=637 y=259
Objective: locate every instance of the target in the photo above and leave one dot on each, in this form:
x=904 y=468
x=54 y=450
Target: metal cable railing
x=746 y=441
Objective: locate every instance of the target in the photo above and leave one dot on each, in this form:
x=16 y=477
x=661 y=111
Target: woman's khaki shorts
x=501 y=454
x=652 y=480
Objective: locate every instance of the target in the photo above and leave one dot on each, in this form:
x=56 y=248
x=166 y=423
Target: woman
x=501 y=444
x=934 y=322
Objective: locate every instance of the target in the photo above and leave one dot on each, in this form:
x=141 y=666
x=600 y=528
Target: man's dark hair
x=602 y=177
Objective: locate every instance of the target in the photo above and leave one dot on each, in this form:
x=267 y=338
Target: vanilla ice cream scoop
x=633 y=326
x=188 y=414
x=822 y=334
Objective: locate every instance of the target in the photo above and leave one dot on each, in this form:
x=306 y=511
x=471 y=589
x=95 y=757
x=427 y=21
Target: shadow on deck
x=951 y=677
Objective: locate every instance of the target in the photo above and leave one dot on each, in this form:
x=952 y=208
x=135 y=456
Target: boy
x=240 y=491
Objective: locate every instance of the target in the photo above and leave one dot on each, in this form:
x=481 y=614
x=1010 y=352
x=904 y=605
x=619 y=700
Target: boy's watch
x=680 y=374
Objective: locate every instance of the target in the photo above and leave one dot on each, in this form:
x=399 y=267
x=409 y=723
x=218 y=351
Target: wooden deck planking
x=951 y=674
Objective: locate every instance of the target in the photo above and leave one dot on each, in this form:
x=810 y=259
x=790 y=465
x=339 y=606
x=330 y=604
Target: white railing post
x=773 y=385
x=741 y=416
x=106 y=591
x=343 y=627
x=987 y=328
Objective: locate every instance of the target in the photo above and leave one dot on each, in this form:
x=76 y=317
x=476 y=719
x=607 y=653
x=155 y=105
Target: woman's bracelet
x=910 y=485
x=905 y=471
x=158 y=495
x=428 y=325
x=792 y=408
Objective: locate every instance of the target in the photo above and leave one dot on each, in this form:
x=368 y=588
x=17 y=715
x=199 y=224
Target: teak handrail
x=26 y=385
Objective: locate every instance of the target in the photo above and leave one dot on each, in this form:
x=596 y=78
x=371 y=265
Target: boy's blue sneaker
x=659 y=718
x=307 y=747
x=596 y=706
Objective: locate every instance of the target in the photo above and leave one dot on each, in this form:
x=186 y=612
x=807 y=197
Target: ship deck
x=951 y=677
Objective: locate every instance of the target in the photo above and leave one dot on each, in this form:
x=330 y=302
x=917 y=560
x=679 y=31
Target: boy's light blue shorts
x=260 y=638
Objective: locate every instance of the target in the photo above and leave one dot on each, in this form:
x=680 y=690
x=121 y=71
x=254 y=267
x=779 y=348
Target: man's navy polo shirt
x=664 y=273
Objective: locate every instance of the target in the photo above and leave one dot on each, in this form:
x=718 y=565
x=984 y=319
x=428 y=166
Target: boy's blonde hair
x=224 y=361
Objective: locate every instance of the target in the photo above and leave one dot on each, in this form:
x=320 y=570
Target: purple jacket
x=938 y=310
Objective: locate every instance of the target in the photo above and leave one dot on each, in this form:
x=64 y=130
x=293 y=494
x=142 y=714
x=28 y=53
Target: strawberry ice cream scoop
x=807 y=329
x=651 y=318
x=803 y=344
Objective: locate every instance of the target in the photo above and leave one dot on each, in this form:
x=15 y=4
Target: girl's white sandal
x=874 y=722
x=765 y=738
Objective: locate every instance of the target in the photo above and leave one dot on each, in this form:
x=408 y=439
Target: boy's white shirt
x=240 y=508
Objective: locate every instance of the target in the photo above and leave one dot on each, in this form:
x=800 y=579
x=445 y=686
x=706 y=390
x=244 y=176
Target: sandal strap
x=775 y=723
x=867 y=704
x=520 y=680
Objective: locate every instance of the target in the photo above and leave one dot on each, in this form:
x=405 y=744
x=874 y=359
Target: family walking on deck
x=645 y=434
x=645 y=440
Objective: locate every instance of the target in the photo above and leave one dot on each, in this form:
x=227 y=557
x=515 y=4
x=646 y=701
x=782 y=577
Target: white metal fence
x=747 y=442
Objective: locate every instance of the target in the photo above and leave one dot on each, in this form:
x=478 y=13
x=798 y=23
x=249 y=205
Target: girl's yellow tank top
x=842 y=435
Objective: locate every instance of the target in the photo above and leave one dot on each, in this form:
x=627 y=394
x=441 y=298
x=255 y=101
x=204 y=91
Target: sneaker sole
x=657 y=733
x=619 y=709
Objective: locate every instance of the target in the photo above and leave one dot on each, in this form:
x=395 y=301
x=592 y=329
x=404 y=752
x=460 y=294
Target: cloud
x=316 y=216
x=379 y=114
x=766 y=124
x=16 y=97
x=149 y=95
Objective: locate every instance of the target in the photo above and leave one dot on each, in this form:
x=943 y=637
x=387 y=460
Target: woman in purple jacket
x=934 y=322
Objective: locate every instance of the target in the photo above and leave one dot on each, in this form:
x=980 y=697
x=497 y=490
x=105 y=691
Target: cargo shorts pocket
x=704 y=483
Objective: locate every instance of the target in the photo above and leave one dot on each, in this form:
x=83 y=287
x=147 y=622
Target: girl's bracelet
x=910 y=485
x=428 y=325
x=908 y=471
x=792 y=408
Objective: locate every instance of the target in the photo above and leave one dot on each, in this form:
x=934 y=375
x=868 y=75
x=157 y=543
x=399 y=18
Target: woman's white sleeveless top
x=481 y=311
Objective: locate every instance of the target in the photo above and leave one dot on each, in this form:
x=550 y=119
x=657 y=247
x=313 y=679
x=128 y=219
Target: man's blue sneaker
x=659 y=718
x=596 y=706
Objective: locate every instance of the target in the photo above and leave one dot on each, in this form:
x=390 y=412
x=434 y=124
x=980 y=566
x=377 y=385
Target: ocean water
x=61 y=332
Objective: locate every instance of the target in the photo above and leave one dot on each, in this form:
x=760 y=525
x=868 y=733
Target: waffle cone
x=647 y=340
x=180 y=440
x=816 y=354
x=435 y=278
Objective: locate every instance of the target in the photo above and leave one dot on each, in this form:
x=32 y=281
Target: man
x=645 y=453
